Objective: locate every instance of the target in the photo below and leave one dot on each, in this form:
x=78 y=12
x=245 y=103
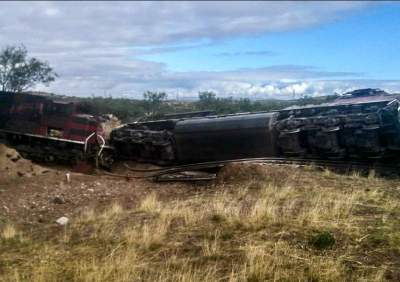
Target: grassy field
x=257 y=223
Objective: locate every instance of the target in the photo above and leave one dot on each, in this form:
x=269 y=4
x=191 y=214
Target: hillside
x=254 y=223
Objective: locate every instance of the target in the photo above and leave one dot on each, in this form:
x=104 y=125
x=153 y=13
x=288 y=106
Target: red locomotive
x=41 y=115
x=44 y=128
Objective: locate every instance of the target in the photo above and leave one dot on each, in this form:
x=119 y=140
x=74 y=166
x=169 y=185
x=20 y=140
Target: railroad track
x=180 y=173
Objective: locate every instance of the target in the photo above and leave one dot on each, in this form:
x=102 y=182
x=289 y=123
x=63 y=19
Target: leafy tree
x=207 y=96
x=19 y=73
x=207 y=100
x=154 y=102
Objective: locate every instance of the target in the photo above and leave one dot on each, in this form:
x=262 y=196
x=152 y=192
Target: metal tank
x=225 y=137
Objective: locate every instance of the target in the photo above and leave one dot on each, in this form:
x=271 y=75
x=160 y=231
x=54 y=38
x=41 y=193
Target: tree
x=19 y=73
x=207 y=100
x=207 y=96
x=154 y=101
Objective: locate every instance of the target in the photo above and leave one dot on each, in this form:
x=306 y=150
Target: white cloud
x=51 y=12
x=94 y=45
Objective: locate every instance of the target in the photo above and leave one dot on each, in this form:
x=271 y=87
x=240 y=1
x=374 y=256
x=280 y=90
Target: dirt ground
x=253 y=223
x=31 y=194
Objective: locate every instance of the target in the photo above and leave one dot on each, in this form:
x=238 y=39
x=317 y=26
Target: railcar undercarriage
x=365 y=131
x=45 y=149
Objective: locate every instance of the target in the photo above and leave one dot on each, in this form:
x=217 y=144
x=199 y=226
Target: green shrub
x=322 y=240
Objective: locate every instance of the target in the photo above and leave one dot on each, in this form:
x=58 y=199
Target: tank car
x=210 y=138
x=225 y=137
x=360 y=124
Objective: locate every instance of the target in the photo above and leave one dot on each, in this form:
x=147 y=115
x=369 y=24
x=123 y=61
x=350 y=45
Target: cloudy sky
x=240 y=49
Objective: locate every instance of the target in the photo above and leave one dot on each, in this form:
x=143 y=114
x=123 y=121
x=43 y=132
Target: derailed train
x=363 y=124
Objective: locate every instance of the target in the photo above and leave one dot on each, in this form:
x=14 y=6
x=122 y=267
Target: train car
x=189 y=140
x=362 y=124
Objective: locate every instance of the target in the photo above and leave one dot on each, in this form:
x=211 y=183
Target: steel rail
x=275 y=161
x=319 y=163
x=214 y=162
x=264 y=160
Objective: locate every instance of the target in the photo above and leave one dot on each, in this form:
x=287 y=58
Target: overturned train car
x=363 y=124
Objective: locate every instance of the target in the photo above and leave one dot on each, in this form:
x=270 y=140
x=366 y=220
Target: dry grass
x=286 y=225
x=8 y=232
x=150 y=204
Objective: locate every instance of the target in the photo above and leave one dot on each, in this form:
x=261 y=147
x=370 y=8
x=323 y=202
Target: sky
x=245 y=49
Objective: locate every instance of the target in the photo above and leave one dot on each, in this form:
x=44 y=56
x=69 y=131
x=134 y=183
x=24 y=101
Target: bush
x=322 y=240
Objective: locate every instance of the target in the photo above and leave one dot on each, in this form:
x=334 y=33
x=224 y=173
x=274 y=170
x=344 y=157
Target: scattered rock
x=62 y=220
x=68 y=177
x=15 y=158
x=58 y=200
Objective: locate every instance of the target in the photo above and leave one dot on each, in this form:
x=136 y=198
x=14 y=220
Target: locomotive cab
x=80 y=126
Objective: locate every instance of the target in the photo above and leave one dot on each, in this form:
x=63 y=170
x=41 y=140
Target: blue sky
x=236 y=49
x=366 y=42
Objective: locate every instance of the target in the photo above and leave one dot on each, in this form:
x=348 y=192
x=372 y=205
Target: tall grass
x=240 y=232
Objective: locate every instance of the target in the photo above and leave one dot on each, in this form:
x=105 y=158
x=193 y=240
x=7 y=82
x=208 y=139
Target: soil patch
x=13 y=165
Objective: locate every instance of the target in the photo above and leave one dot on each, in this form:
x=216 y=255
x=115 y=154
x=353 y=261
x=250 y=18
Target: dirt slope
x=13 y=165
